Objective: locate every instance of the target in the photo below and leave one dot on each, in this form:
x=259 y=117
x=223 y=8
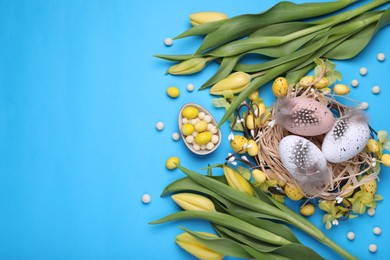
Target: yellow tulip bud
x=206 y=17
x=186 y=67
x=193 y=246
x=259 y=176
x=235 y=82
x=386 y=159
x=192 y=201
x=236 y=181
x=252 y=148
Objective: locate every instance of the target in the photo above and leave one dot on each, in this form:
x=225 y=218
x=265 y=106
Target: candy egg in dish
x=198 y=129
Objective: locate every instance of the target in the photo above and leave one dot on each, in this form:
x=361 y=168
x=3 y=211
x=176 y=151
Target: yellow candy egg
x=341 y=89
x=370 y=186
x=190 y=112
x=253 y=148
x=373 y=146
x=306 y=81
x=203 y=138
x=308 y=210
x=173 y=92
x=201 y=126
x=259 y=176
x=187 y=129
x=322 y=83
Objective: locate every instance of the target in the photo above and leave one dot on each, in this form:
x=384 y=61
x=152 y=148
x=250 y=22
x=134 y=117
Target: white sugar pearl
x=193 y=121
x=351 y=235
x=372 y=248
x=377 y=231
x=196 y=147
x=189 y=139
x=207 y=118
x=201 y=115
x=194 y=133
x=168 y=41
x=214 y=130
x=175 y=136
x=160 y=126
x=203 y=147
x=190 y=87
x=209 y=126
x=210 y=146
x=371 y=212
x=184 y=120
x=354 y=83
x=146 y=198
x=363 y=71
x=215 y=139
x=376 y=89
x=363 y=105
x=381 y=56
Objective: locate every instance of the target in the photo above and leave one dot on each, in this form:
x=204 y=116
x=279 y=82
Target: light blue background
x=80 y=94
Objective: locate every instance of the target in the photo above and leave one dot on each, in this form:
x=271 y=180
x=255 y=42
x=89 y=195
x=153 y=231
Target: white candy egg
x=347 y=138
x=305 y=162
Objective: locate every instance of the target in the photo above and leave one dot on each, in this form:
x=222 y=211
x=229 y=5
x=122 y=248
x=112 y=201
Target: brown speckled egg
x=304 y=116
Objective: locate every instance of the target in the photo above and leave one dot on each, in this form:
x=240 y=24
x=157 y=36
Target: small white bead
x=215 y=139
x=160 y=126
x=209 y=126
x=196 y=147
x=371 y=212
x=351 y=235
x=376 y=89
x=372 y=248
x=190 y=87
x=381 y=56
x=201 y=115
x=377 y=231
x=210 y=146
x=354 y=83
x=189 y=139
x=203 y=147
x=214 y=130
x=168 y=41
x=193 y=121
x=194 y=133
x=175 y=136
x=363 y=105
x=363 y=71
x=184 y=120
x=146 y=198
x=207 y=118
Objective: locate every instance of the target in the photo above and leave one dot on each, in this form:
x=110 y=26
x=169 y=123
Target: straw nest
x=346 y=174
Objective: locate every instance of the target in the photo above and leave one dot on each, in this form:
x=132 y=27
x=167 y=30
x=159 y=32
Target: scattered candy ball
x=146 y=198
x=372 y=248
x=190 y=87
x=172 y=163
x=160 y=126
x=354 y=83
x=173 y=92
x=363 y=106
x=308 y=210
x=377 y=231
x=363 y=71
x=175 y=136
x=371 y=212
x=376 y=89
x=351 y=235
x=168 y=41
x=381 y=56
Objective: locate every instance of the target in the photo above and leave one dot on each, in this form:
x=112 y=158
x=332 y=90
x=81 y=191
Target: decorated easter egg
x=306 y=164
x=347 y=138
x=304 y=116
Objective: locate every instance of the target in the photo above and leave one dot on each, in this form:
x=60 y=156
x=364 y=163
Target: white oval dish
x=213 y=121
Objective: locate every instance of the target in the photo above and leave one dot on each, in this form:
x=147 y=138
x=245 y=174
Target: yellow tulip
x=197 y=249
x=206 y=17
x=191 y=201
x=235 y=82
x=186 y=67
x=236 y=181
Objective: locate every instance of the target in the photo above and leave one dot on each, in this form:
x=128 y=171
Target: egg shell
x=305 y=116
x=345 y=140
x=289 y=149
